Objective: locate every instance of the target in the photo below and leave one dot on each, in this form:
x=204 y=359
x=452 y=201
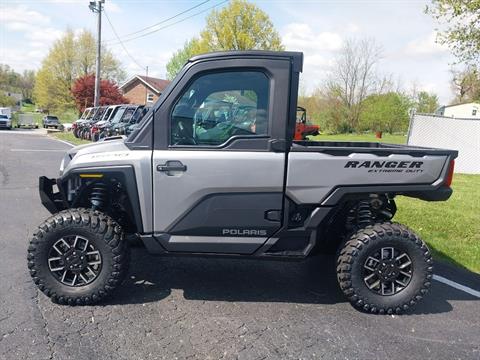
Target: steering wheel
x=184 y=135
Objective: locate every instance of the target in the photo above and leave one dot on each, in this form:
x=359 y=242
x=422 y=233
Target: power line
x=161 y=22
x=120 y=42
x=169 y=25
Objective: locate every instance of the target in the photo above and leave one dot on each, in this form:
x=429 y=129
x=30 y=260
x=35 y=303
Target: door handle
x=172 y=165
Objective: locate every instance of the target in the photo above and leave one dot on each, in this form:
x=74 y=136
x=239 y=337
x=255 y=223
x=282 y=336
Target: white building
x=461 y=111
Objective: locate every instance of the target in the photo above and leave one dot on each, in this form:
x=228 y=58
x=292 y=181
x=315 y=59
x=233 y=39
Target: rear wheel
x=78 y=256
x=384 y=268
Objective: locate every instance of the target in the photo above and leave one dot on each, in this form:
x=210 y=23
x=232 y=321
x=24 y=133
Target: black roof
x=295 y=56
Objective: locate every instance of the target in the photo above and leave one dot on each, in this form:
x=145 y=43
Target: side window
x=218 y=106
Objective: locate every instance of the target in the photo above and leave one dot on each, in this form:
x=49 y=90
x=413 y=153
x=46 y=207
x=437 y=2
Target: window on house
x=474 y=112
x=149 y=98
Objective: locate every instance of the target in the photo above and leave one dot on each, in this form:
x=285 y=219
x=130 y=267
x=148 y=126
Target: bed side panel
x=311 y=176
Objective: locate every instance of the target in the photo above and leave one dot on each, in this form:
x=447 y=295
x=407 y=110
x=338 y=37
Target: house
x=143 y=90
x=463 y=111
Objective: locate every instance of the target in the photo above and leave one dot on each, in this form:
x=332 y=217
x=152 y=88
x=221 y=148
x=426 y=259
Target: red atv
x=303 y=127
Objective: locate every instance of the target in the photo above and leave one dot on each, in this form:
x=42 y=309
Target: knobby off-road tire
x=367 y=258
x=100 y=268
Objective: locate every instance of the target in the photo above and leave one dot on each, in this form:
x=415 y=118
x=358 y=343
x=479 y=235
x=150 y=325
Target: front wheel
x=78 y=256
x=384 y=268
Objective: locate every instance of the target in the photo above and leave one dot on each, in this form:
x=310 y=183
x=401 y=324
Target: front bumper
x=53 y=201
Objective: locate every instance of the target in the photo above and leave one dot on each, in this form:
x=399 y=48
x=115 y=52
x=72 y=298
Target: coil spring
x=364 y=213
x=99 y=196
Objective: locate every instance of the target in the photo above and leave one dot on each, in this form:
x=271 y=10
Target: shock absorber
x=364 y=213
x=99 y=196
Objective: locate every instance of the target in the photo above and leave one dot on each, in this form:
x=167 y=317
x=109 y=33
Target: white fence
x=449 y=133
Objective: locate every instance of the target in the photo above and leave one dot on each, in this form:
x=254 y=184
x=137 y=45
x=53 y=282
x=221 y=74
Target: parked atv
x=303 y=128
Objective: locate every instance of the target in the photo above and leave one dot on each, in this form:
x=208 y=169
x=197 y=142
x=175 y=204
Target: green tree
x=6 y=100
x=11 y=81
x=462 y=21
x=55 y=77
x=466 y=84
x=192 y=47
x=86 y=45
x=385 y=112
x=325 y=108
x=239 y=26
x=426 y=103
x=70 y=57
x=8 y=78
x=26 y=84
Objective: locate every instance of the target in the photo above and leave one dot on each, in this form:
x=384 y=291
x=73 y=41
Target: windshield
x=138 y=115
x=52 y=118
x=118 y=115
x=114 y=112
x=127 y=115
x=91 y=114
x=99 y=113
x=85 y=113
x=107 y=113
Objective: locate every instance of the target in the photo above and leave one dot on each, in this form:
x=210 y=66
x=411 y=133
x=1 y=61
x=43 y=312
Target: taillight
x=449 y=178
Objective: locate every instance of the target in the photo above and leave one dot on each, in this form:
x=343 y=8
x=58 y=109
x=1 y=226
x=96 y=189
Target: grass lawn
x=68 y=136
x=451 y=228
x=386 y=138
x=68 y=116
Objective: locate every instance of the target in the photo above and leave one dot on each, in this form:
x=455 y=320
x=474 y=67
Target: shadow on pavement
x=312 y=281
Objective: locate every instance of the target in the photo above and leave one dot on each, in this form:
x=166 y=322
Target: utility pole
x=96 y=7
x=146 y=88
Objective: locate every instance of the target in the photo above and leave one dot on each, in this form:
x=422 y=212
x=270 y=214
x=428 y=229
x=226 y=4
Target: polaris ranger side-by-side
x=231 y=181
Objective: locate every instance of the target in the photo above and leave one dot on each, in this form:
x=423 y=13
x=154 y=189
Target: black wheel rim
x=74 y=261
x=387 y=271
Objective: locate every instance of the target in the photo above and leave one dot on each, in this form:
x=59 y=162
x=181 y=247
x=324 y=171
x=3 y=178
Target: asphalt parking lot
x=206 y=308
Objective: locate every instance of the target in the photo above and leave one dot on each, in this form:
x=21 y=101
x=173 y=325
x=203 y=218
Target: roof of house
x=464 y=103
x=156 y=84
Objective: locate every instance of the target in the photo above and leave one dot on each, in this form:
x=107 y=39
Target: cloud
x=302 y=36
x=319 y=50
x=46 y=35
x=112 y=7
x=21 y=14
x=352 y=28
x=425 y=46
x=37 y=31
x=156 y=60
x=21 y=59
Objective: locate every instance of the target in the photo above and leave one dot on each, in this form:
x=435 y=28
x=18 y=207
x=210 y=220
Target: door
x=216 y=186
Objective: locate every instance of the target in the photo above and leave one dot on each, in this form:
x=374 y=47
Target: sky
x=317 y=28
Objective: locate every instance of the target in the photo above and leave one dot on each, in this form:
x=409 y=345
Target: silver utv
x=213 y=170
